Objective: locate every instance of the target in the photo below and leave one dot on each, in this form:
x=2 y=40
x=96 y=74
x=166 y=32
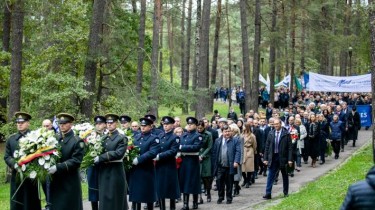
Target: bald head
x=47 y=124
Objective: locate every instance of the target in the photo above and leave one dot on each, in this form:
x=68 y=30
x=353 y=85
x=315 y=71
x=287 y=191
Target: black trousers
x=336 y=146
x=225 y=183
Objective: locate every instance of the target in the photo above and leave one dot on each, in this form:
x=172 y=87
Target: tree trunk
x=93 y=54
x=215 y=54
x=203 y=74
x=245 y=54
x=330 y=70
x=229 y=50
x=154 y=58
x=198 y=28
x=256 y=67
x=293 y=37
x=303 y=38
x=6 y=44
x=16 y=61
x=184 y=74
x=134 y=6
x=372 y=38
x=141 y=46
x=170 y=44
x=324 y=43
x=285 y=34
x=161 y=44
x=273 y=44
x=185 y=107
x=344 y=52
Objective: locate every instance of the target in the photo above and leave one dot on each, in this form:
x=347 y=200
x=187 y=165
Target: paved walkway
x=250 y=197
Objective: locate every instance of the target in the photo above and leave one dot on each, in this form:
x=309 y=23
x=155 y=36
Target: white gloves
x=178 y=154
x=52 y=170
x=96 y=159
x=157 y=157
x=135 y=161
x=180 y=147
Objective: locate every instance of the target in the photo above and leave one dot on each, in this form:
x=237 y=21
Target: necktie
x=277 y=142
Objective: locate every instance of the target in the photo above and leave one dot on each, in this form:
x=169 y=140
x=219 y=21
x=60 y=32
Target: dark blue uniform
x=93 y=182
x=156 y=131
x=142 y=176
x=166 y=171
x=191 y=143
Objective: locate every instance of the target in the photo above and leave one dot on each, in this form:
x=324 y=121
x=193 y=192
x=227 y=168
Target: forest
x=89 y=57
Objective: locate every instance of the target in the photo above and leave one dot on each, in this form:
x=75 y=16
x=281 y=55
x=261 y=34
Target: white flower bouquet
x=38 y=151
x=94 y=148
x=83 y=130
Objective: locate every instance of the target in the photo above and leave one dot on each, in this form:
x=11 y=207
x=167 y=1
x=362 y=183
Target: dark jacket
x=361 y=194
x=336 y=130
x=233 y=116
x=112 y=180
x=189 y=173
x=354 y=120
x=65 y=188
x=167 y=185
x=27 y=194
x=142 y=176
x=233 y=152
x=285 y=148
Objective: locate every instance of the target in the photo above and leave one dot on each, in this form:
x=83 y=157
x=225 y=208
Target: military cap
x=145 y=121
x=99 y=119
x=22 y=116
x=191 y=120
x=223 y=119
x=110 y=117
x=65 y=118
x=125 y=119
x=167 y=120
x=151 y=117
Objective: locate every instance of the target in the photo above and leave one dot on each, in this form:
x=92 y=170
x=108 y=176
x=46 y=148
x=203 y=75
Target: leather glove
x=96 y=159
x=135 y=161
x=157 y=157
x=52 y=170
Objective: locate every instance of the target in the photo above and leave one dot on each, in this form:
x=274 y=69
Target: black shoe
x=267 y=197
x=208 y=198
x=264 y=173
x=229 y=202
x=201 y=200
x=195 y=205
x=256 y=176
x=236 y=192
x=157 y=204
x=275 y=182
x=322 y=162
x=305 y=162
x=219 y=201
x=243 y=184
x=291 y=174
x=247 y=185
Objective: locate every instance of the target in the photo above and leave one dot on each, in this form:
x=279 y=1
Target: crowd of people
x=226 y=153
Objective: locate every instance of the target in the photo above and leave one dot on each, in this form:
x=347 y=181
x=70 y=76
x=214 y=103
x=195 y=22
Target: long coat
x=142 y=184
x=189 y=173
x=250 y=147
x=167 y=185
x=65 y=188
x=205 y=154
x=27 y=195
x=314 y=137
x=354 y=124
x=112 y=180
x=233 y=154
x=285 y=148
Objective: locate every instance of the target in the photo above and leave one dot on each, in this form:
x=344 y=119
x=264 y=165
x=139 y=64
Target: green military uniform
x=26 y=196
x=112 y=181
x=65 y=188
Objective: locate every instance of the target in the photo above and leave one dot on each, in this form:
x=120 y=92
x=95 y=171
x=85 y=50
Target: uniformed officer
x=142 y=174
x=112 y=181
x=166 y=171
x=93 y=171
x=125 y=121
x=26 y=195
x=190 y=145
x=154 y=130
x=65 y=186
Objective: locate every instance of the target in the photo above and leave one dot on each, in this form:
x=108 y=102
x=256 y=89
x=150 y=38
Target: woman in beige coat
x=249 y=151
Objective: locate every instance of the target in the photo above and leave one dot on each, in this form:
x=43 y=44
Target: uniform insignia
x=62 y=118
x=157 y=141
x=81 y=144
x=200 y=138
x=178 y=140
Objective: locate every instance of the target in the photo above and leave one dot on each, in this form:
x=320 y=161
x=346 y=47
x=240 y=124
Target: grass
x=329 y=191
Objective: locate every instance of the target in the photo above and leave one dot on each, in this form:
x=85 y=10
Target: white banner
x=319 y=82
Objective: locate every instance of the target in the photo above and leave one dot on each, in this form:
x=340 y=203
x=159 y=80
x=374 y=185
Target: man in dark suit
x=277 y=155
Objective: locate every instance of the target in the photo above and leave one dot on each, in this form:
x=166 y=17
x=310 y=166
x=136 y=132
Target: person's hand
x=200 y=158
x=52 y=170
x=96 y=159
x=235 y=165
x=135 y=161
x=261 y=154
x=265 y=162
x=157 y=158
x=178 y=154
x=290 y=163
